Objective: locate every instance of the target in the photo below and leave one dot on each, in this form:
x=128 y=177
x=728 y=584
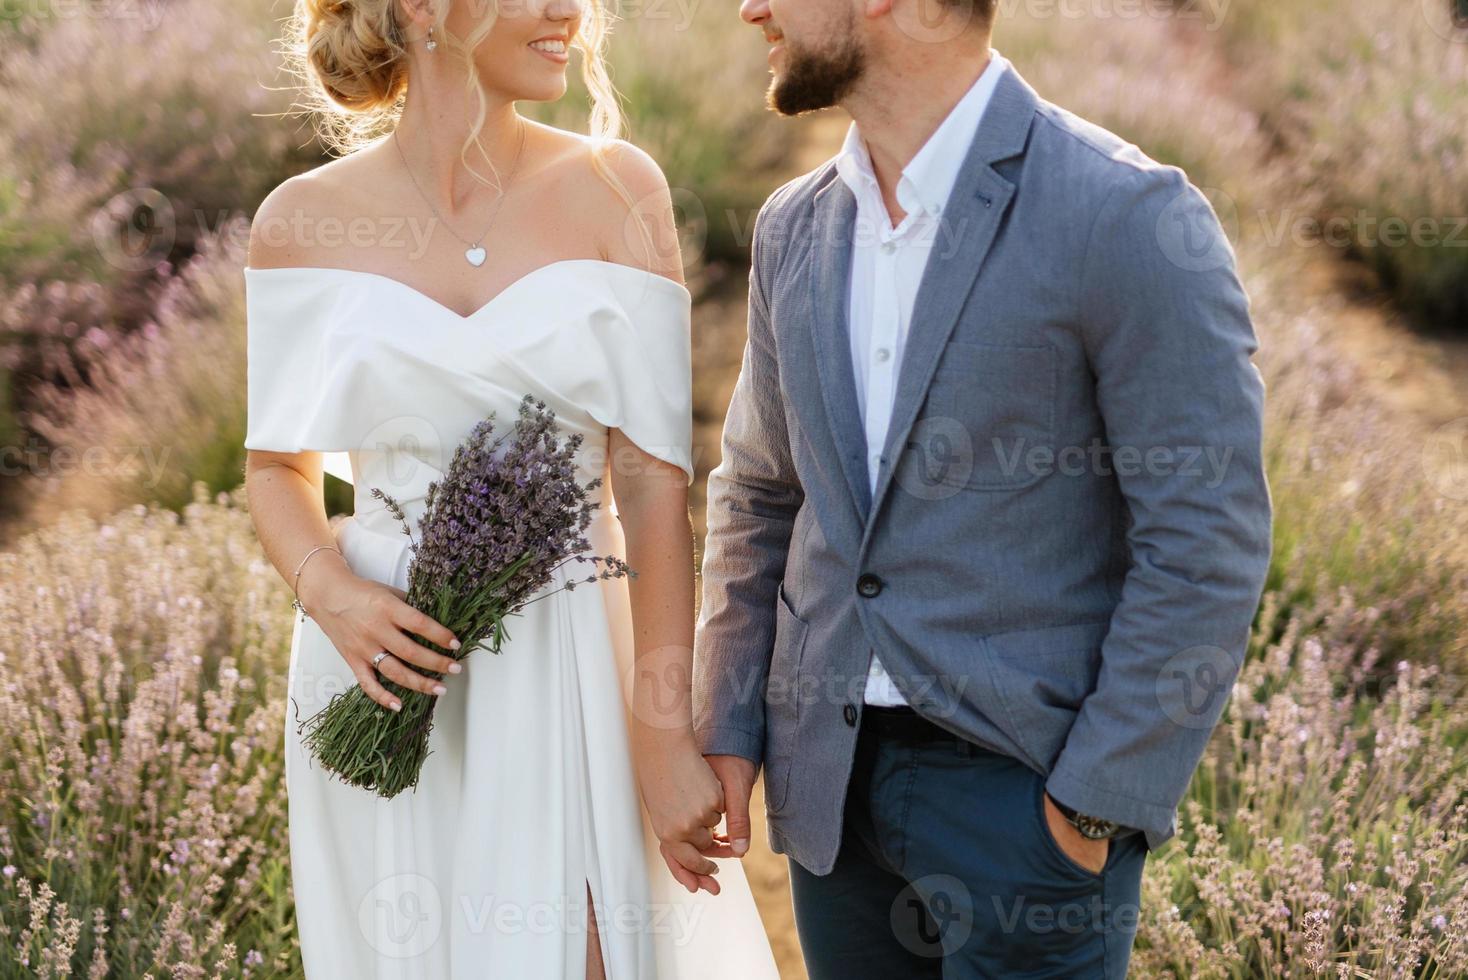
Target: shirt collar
x=928 y=178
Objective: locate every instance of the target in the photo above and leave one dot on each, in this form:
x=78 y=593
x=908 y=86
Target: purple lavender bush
x=493 y=532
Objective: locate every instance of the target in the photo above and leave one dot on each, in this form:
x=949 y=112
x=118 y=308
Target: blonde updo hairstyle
x=350 y=56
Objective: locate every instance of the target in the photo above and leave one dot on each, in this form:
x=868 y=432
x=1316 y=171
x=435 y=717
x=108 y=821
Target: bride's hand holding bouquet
x=494 y=531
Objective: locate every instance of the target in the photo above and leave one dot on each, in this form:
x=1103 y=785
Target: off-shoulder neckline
x=462 y=317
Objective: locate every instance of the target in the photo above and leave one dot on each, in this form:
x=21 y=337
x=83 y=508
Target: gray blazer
x=1071 y=526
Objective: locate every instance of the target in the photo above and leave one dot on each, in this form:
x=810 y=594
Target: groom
x=991 y=521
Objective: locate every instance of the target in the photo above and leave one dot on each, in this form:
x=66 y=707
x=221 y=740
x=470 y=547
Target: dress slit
x=592 y=878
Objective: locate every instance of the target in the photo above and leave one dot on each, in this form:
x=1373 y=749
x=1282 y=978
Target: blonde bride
x=455 y=257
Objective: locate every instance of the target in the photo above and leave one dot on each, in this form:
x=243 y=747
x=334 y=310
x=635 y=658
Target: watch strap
x=1096 y=828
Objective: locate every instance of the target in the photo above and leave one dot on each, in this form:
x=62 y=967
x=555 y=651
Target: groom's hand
x=737 y=774
x=1088 y=853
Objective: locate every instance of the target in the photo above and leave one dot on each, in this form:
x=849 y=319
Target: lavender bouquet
x=494 y=530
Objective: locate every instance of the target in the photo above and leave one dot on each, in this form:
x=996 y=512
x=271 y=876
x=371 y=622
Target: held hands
x=1089 y=854
x=685 y=802
x=362 y=617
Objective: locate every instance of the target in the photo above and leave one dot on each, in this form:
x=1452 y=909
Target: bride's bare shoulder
x=577 y=169
x=296 y=219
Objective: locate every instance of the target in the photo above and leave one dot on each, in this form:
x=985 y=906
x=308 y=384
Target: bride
x=564 y=823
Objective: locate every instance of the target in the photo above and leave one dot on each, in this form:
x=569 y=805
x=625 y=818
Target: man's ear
x=934 y=21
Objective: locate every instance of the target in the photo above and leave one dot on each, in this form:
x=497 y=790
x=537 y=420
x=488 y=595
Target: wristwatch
x=1094 y=828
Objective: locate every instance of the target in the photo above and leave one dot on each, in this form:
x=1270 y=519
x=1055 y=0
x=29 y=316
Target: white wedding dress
x=528 y=794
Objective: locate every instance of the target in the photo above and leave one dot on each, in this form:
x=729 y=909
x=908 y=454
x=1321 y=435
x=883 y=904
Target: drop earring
x=431 y=44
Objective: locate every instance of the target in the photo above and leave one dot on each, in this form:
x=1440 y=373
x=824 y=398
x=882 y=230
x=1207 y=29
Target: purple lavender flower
x=507 y=514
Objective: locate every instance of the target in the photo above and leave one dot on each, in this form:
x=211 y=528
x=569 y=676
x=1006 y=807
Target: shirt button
x=889 y=246
x=883 y=353
x=869 y=585
x=849 y=713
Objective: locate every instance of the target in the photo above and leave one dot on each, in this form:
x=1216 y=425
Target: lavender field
x=144 y=637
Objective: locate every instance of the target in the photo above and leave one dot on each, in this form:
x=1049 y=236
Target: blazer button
x=849 y=713
x=869 y=585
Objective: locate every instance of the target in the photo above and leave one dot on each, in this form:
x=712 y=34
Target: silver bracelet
x=295 y=583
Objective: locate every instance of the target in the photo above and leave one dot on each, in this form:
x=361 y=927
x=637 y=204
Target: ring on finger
x=381 y=657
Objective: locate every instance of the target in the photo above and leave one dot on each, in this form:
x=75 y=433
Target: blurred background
x=144 y=639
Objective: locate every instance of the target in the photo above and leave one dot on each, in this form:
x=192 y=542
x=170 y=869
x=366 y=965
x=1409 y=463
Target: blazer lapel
x=835 y=208
x=970 y=220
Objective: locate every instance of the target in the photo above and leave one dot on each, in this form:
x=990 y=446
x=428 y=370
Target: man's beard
x=815 y=80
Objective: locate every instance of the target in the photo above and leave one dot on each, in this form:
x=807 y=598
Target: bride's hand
x=362 y=617
x=684 y=801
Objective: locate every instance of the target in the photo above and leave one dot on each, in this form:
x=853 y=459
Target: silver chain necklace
x=475 y=253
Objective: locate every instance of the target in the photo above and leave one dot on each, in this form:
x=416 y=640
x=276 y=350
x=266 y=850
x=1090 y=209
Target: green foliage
x=1366 y=101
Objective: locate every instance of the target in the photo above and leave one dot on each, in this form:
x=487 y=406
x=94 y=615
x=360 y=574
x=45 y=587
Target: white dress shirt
x=886 y=266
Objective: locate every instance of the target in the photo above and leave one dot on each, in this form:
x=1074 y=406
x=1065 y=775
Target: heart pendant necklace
x=475 y=253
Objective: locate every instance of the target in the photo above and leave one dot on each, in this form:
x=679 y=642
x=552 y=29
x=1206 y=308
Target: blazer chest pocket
x=989 y=408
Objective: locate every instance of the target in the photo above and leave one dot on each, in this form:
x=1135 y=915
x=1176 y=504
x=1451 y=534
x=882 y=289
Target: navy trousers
x=947 y=868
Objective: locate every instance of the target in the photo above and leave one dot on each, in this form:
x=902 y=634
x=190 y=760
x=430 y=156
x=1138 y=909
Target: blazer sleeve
x=1169 y=338
x=753 y=497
